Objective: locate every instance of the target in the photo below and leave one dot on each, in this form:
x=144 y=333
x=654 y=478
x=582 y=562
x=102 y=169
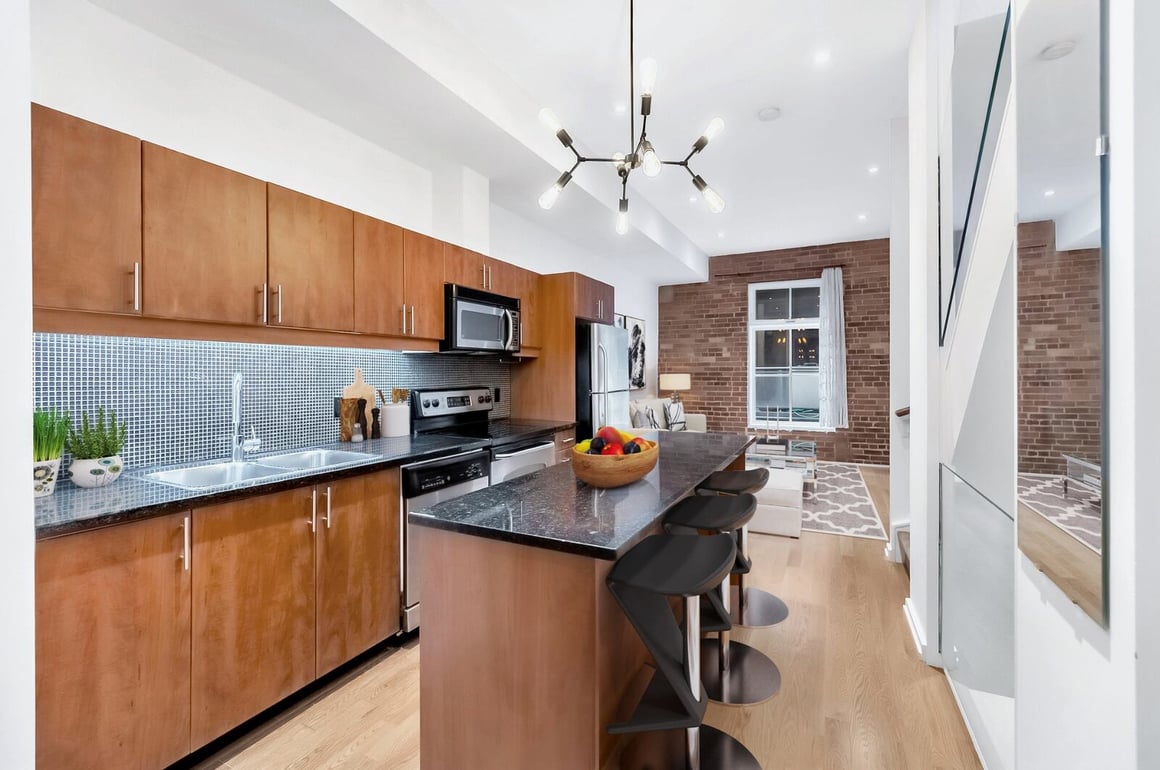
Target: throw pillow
x=651 y=416
x=639 y=418
x=675 y=413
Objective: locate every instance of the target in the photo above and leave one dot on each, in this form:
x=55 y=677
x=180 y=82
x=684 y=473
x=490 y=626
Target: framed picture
x=636 y=356
x=618 y=320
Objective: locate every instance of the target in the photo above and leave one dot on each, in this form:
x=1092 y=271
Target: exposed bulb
x=650 y=162
x=714 y=199
x=549 y=119
x=648 y=76
x=550 y=196
x=716 y=126
x=622 y=218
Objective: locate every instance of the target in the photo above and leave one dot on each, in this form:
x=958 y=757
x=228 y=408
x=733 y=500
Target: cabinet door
x=529 y=309
x=204 y=239
x=464 y=267
x=587 y=299
x=503 y=278
x=253 y=607
x=358 y=566
x=311 y=262
x=112 y=647
x=423 y=274
x=379 y=295
x=86 y=215
x=607 y=301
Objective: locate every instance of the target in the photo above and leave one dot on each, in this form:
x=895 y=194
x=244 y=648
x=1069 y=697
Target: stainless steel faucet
x=240 y=446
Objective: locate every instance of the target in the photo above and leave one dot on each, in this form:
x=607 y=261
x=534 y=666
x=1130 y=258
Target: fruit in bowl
x=613 y=458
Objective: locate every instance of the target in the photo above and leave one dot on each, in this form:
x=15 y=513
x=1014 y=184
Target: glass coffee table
x=790 y=454
x=1084 y=473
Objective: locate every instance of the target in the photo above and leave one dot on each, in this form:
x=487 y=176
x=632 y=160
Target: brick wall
x=1060 y=345
x=703 y=330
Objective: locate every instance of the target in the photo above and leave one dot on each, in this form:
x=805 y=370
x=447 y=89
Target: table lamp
x=676 y=382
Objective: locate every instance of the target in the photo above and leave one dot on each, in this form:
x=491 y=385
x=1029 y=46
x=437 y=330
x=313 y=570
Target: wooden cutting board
x=361 y=389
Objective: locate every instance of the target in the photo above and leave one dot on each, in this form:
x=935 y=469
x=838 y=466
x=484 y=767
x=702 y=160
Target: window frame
x=754 y=325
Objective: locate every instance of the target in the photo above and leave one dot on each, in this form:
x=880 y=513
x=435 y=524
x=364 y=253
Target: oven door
x=482 y=326
x=511 y=462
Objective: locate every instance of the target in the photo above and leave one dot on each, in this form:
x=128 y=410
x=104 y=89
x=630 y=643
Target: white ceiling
x=461 y=81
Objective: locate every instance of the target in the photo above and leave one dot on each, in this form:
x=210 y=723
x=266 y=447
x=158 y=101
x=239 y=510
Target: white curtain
x=832 y=352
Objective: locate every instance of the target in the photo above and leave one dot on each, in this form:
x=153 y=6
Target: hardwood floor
x=1070 y=564
x=854 y=692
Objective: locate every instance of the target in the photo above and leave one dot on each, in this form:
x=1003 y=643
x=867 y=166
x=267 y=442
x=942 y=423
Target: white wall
x=899 y=331
x=17 y=646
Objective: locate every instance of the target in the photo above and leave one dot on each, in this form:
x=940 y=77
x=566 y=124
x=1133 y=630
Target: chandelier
x=643 y=155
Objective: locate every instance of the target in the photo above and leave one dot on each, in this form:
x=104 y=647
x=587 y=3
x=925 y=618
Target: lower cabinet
x=113 y=647
x=155 y=637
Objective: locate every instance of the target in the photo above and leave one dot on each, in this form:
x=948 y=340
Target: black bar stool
x=754 y=608
x=733 y=673
x=659 y=567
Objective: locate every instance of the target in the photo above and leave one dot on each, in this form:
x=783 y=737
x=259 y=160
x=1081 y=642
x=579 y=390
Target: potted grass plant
x=49 y=433
x=96 y=449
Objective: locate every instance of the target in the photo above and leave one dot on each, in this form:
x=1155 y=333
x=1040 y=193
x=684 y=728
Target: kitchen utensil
x=381 y=396
x=348 y=415
x=376 y=427
x=363 y=420
x=363 y=390
x=399 y=395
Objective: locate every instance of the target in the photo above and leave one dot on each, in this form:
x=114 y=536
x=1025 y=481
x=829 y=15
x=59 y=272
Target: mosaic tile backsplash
x=175 y=394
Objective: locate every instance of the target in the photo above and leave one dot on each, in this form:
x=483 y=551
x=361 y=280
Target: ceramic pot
x=96 y=473
x=44 y=475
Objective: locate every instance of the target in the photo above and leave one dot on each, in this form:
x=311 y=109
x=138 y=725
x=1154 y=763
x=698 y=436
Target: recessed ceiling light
x=872 y=170
x=861 y=217
x=720 y=233
x=769 y=113
x=822 y=57
x=1057 y=50
x=619 y=108
x=1049 y=193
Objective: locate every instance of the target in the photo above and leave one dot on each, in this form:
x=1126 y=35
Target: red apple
x=610 y=435
x=612 y=449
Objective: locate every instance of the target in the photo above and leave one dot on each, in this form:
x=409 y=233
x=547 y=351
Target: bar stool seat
x=736 y=482
x=733 y=673
x=641 y=582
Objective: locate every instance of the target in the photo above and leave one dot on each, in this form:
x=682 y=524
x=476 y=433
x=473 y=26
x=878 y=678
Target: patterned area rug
x=1079 y=514
x=840 y=504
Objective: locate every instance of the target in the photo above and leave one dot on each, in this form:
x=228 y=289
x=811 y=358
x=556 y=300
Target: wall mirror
x=980 y=84
x=1061 y=278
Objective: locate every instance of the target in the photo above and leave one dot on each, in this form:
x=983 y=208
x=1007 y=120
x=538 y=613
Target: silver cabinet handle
x=279 y=303
x=412 y=320
x=265 y=314
x=327 y=493
x=567 y=440
x=313 y=520
x=404 y=318
x=185 y=536
x=483 y=269
x=137 y=287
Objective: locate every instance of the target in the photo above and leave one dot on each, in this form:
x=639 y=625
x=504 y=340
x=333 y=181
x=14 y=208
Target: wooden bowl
x=609 y=471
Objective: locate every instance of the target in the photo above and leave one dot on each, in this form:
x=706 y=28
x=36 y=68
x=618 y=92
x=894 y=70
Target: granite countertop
x=553 y=509
x=74 y=509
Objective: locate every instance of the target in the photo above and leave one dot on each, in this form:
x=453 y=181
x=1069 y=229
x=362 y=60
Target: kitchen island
x=526 y=657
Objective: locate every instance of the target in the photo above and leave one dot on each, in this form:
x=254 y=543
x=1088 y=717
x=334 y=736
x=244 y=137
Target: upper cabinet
x=594 y=300
x=465 y=267
x=424 y=274
x=86 y=215
x=380 y=304
x=311 y=262
x=204 y=240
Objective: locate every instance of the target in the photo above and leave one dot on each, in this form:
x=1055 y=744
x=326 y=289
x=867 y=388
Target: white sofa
x=693 y=422
x=779 y=504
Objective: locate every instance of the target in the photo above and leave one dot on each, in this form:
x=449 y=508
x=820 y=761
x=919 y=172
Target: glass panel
x=806 y=302
x=805 y=347
x=771 y=401
x=772 y=304
x=480 y=327
x=804 y=394
x=977 y=635
x=772 y=349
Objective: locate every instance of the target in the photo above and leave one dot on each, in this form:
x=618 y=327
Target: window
x=783 y=353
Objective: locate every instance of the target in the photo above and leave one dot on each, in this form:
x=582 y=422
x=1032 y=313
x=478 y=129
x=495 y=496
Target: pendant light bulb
x=549 y=119
x=714 y=199
x=622 y=217
x=648 y=76
x=650 y=161
x=552 y=194
x=716 y=126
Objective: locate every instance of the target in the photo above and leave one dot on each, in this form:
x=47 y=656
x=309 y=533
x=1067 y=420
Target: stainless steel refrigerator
x=601 y=378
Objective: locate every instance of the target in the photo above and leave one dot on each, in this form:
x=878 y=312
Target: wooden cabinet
x=504 y=278
x=253 y=607
x=465 y=267
x=379 y=294
x=565 y=441
x=86 y=215
x=113 y=647
x=357 y=557
x=594 y=300
x=310 y=262
x=423 y=278
x=204 y=240
x=529 y=308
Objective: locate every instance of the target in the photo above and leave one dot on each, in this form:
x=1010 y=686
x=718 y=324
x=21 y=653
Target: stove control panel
x=441 y=403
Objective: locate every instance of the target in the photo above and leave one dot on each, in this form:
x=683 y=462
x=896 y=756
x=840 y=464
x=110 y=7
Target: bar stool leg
x=723 y=645
x=755 y=608
x=693 y=670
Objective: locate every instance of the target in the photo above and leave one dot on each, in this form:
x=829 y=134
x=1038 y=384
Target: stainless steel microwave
x=479 y=322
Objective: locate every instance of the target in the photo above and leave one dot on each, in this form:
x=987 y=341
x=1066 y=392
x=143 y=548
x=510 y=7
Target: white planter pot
x=96 y=473
x=44 y=475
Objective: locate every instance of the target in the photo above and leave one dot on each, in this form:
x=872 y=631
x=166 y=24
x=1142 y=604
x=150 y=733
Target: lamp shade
x=676 y=382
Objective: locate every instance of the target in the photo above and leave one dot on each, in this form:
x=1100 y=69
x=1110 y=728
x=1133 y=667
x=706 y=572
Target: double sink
x=213 y=475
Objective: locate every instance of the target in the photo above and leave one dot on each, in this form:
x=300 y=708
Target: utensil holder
x=349 y=413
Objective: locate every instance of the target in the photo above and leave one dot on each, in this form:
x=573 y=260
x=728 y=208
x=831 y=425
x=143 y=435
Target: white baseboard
x=966 y=722
x=915 y=633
